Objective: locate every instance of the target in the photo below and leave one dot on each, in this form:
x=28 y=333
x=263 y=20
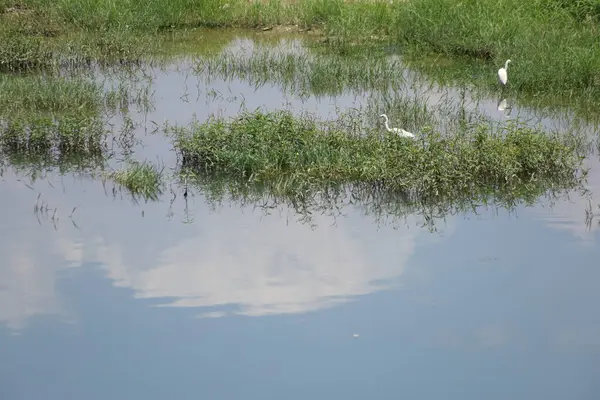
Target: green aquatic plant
x=561 y=61
x=300 y=72
x=295 y=155
x=140 y=179
x=48 y=94
x=69 y=143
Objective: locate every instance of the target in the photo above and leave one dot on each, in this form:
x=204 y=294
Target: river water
x=106 y=297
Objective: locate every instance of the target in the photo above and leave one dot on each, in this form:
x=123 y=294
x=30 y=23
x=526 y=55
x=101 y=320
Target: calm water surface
x=109 y=298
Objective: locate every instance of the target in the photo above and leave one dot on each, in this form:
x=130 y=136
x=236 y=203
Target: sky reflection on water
x=238 y=304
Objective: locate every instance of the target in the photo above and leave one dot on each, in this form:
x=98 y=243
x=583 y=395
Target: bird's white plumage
x=398 y=131
x=502 y=76
x=503 y=73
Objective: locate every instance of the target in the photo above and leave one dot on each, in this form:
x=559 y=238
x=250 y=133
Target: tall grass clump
x=48 y=142
x=18 y=53
x=303 y=72
x=296 y=155
x=28 y=96
x=554 y=44
x=140 y=179
x=49 y=120
x=48 y=94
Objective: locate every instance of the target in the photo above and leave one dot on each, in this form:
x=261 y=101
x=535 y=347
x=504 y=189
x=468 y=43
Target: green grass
x=140 y=179
x=460 y=44
x=54 y=121
x=296 y=155
x=43 y=33
x=298 y=71
x=61 y=123
x=25 y=96
x=48 y=94
x=554 y=44
x=69 y=143
x=19 y=53
x=552 y=51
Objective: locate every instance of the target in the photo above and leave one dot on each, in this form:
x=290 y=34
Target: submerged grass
x=141 y=179
x=28 y=96
x=295 y=156
x=47 y=94
x=46 y=142
x=49 y=121
x=307 y=74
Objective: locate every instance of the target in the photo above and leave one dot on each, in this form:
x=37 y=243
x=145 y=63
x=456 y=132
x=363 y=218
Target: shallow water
x=105 y=297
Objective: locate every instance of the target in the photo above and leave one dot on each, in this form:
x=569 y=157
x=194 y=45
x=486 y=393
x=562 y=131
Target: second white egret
x=399 y=131
x=503 y=73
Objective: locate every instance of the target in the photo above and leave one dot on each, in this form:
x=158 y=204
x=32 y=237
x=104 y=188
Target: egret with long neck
x=399 y=131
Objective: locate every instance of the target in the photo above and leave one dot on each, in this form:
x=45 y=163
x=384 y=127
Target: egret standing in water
x=399 y=131
x=503 y=73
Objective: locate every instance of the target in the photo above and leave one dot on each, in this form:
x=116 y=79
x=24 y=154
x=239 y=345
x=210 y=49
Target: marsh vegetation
x=563 y=61
x=197 y=168
x=298 y=155
x=58 y=110
x=140 y=179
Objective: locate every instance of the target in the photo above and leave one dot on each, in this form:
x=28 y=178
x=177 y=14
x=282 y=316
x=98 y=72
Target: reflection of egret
x=398 y=131
x=502 y=105
x=503 y=73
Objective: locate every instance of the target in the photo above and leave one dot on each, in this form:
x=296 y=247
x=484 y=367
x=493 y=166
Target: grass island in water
x=275 y=148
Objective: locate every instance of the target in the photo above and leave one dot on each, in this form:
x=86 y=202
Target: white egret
x=503 y=73
x=398 y=131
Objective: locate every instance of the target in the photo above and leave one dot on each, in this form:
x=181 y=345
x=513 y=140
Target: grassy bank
x=44 y=33
x=554 y=44
x=295 y=156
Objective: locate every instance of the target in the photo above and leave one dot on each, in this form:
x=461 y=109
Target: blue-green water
x=106 y=298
